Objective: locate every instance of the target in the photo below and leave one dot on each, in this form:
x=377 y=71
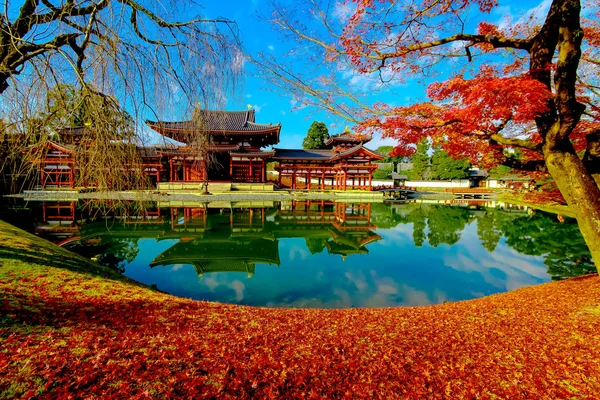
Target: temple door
x=194 y=172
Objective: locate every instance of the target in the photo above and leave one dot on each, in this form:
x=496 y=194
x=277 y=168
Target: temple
x=346 y=164
x=58 y=159
x=221 y=146
x=218 y=145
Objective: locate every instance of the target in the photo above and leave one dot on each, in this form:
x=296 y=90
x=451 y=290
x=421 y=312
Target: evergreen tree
x=420 y=161
x=445 y=167
x=316 y=136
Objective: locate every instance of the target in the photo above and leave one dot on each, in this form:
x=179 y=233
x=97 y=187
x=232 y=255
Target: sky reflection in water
x=342 y=255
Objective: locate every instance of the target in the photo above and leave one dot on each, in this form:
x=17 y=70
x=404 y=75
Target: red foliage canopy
x=483 y=106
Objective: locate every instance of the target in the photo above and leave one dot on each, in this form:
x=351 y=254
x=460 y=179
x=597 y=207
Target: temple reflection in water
x=321 y=253
x=214 y=237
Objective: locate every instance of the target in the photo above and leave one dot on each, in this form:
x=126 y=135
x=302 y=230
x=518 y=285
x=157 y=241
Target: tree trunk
x=591 y=159
x=581 y=193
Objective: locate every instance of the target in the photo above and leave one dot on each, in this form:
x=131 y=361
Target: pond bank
x=550 y=207
x=70 y=327
x=234 y=196
x=199 y=198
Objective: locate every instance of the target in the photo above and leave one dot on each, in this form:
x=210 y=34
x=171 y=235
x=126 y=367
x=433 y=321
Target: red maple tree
x=530 y=85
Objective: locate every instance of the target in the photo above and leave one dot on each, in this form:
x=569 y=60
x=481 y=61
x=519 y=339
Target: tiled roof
x=192 y=150
x=80 y=130
x=268 y=153
x=232 y=122
x=300 y=154
x=68 y=148
x=321 y=154
x=147 y=151
x=352 y=150
x=347 y=137
x=473 y=173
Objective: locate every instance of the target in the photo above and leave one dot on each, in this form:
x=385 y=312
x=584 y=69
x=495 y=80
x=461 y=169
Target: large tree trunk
x=580 y=191
x=562 y=32
x=591 y=159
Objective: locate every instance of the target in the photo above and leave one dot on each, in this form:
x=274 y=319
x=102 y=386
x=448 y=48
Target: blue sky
x=273 y=106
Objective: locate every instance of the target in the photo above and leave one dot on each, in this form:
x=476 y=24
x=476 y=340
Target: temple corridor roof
x=322 y=154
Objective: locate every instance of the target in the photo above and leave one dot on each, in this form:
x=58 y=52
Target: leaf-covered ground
x=68 y=332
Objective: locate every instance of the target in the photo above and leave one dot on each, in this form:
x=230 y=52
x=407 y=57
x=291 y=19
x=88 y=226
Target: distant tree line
x=437 y=166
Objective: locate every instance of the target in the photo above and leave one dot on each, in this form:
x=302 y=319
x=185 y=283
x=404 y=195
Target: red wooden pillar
x=345 y=179
x=323 y=180
x=230 y=167
x=72 y=175
x=42 y=180
x=264 y=171
x=371 y=181
x=294 y=178
x=280 y=170
x=308 y=179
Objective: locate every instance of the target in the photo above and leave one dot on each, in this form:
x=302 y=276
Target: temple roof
x=322 y=154
x=221 y=252
x=347 y=138
x=147 y=151
x=209 y=266
x=268 y=153
x=71 y=134
x=299 y=154
x=65 y=148
x=216 y=123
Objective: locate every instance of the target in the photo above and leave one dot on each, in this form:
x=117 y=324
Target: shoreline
x=241 y=196
x=180 y=199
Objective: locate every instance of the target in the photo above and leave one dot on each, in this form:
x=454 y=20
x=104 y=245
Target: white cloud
x=299 y=251
x=238 y=62
x=248 y=96
x=343 y=10
x=358 y=280
x=271 y=47
x=211 y=281
x=239 y=288
x=535 y=15
x=176 y=267
x=259 y=107
x=297 y=104
x=519 y=270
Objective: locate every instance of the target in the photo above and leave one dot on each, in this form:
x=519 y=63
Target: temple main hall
x=227 y=147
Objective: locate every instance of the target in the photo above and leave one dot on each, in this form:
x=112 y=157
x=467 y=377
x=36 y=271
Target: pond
x=324 y=254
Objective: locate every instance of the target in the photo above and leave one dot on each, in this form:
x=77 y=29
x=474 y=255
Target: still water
x=325 y=254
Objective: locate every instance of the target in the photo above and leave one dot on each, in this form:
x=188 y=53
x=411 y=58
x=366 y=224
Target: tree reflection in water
x=530 y=233
x=346 y=229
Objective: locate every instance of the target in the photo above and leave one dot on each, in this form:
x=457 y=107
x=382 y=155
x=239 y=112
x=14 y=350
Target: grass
x=70 y=328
